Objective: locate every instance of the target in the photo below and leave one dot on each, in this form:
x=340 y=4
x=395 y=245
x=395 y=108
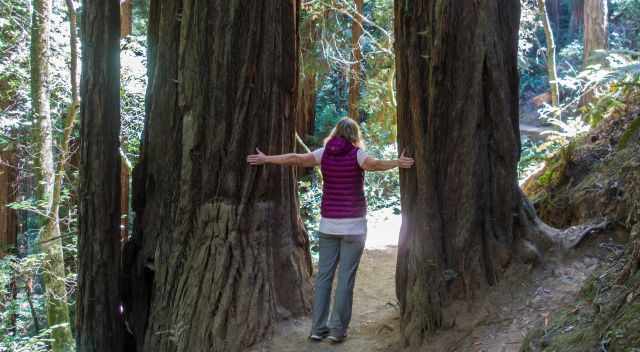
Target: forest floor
x=498 y=321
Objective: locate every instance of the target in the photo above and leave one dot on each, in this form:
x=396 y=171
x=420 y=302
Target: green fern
x=629 y=133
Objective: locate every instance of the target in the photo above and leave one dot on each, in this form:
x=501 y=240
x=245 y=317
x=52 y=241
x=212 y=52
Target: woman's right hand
x=257 y=159
x=405 y=162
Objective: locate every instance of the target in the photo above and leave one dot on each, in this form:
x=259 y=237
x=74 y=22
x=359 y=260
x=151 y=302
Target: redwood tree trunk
x=8 y=190
x=306 y=117
x=595 y=27
x=309 y=37
x=457 y=82
x=355 y=74
x=126 y=17
x=576 y=19
x=219 y=252
x=99 y=322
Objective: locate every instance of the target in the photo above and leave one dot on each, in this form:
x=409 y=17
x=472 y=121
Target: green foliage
x=19 y=273
x=133 y=78
x=532 y=156
x=14 y=66
x=310 y=197
x=631 y=131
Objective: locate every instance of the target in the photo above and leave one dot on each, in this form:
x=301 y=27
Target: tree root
x=632 y=265
x=536 y=237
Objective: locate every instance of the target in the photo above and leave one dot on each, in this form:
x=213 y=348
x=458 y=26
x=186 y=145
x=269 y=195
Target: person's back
x=343 y=222
x=343 y=187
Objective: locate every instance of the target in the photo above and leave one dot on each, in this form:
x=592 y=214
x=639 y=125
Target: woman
x=343 y=223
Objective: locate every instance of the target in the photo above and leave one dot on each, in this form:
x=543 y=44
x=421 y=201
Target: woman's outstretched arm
x=373 y=164
x=291 y=159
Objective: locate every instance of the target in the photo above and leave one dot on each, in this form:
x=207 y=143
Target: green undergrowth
x=594 y=176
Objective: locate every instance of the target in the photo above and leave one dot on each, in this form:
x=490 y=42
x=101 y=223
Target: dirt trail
x=498 y=322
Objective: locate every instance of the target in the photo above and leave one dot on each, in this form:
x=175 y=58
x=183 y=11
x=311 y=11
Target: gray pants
x=346 y=249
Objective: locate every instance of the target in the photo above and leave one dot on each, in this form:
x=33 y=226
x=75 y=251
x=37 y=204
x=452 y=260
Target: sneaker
x=317 y=337
x=337 y=339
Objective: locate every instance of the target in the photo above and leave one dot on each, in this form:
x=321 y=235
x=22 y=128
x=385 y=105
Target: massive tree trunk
x=595 y=27
x=8 y=190
x=219 y=252
x=355 y=75
x=99 y=321
x=53 y=270
x=551 y=54
x=463 y=214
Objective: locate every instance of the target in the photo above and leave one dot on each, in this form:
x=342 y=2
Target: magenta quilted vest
x=343 y=189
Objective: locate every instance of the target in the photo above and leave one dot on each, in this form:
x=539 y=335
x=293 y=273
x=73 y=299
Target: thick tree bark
x=219 y=252
x=54 y=271
x=551 y=54
x=8 y=190
x=463 y=213
x=595 y=27
x=126 y=17
x=99 y=323
x=355 y=74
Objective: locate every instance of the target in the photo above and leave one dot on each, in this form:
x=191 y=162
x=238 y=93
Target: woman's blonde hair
x=349 y=130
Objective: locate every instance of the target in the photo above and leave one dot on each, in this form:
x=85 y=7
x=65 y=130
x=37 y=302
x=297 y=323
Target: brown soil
x=498 y=321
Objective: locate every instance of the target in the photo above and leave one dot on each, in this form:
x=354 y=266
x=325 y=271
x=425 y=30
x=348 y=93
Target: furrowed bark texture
x=457 y=84
x=595 y=27
x=44 y=169
x=219 y=252
x=99 y=323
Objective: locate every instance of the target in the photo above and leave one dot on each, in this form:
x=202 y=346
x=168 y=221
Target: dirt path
x=499 y=320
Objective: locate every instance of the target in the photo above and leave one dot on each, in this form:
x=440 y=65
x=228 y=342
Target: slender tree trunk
x=126 y=17
x=125 y=176
x=551 y=54
x=54 y=272
x=464 y=217
x=8 y=190
x=219 y=252
x=305 y=124
x=355 y=75
x=595 y=27
x=100 y=324
x=577 y=18
x=29 y=291
x=309 y=37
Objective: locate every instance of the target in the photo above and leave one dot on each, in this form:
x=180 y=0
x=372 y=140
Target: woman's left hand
x=257 y=159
